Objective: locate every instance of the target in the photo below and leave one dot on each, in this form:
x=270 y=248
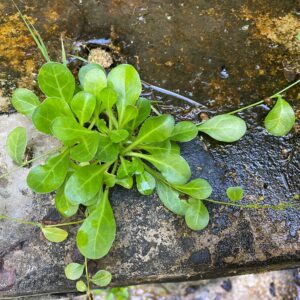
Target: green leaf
x=56 y=80
x=126 y=168
x=16 y=143
x=235 y=193
x=196 y=216
x=198 y=188
x=109 y=179
x=84 y=184
x=83 y=105
x=107 y=151
x=50 y=176
x=126 y=182
x=108 y=98
x=155 y=130
x=119 y=135
x=67 y=129
x=63 y=205
x=101 y=126
x=85 y=69
x=54 y=234
x=170 y=198
x=87 y=147
x=281 y=119
x=144 y=110
x=175 y=149
x=145 y=183
x=81 y=286
x=25 y=101
x=224 y=128
x=74 y=271
x=130 y=113
x=98 y=231
x=102 y=278
x=184 y=131
x=125 y=80
x=158 y=148
x=94 y=82
x=48 y=111
x=173 y=167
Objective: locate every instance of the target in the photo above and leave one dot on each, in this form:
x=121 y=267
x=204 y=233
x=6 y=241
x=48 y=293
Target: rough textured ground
x=188 y=47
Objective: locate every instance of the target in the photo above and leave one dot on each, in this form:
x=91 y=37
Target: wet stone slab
x=183 y=46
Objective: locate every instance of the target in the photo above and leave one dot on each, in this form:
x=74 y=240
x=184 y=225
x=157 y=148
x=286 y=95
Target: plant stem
x=21 y=221
x=30 y=161
x=65 y=224
x=92 y=123
x=87 y=278
x=155 y=110
x=262 y=101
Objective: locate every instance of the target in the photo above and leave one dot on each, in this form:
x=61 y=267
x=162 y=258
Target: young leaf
x=63 y=205
x=25 y=101
x=196 y=216
x=144 y=110
x=50 y=176
x=173 y=167
x=83 y=105
x=109 y=179
x=97 y=233
x=56 y=80
x=108 y=98
x=119 y=135
x=48 y=111
x=54 y=234
x=67 y=129
x=87 y=147
x=85 y=69
x=84 y=184
x=130 y=113
x=74 y=271
x=16 y=143
x=170 y=198
x=125 y=80
x=126 y=168
x=81 y=286
x=198 y=188
x=281 y=119
x=155 y=130
x=107 y=151
x=126 y=182
x=94 y=82
x=101 y=126
x=184 y=131
x=235 y=193
x=224 y=128
x=145 y=183
x=102 y=278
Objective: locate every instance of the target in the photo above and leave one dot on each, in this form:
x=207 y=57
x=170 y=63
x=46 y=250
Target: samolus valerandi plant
x=108 y=138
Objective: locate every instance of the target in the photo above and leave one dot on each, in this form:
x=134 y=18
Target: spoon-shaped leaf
x=56 y=80
x=83 y=71
x=102 y=278
x=108 y=98
x=196 y=216
x=107 y=150
x=16 y=144
x=87 y=147
x=25 y=101
x=170 y=198
x=50 y=176
x=235 y=193
x=145 y=183
x=184 y=131
x=130 y=113
x=125 y=80
x=67 y=129
x=83 y=105
x=119 y=135
x=224 y=128
x=97 y=233
x=94 y=82
x=48 y=111
x=198 y=188
x=54 y=234
x=74 y=271
x=84 y=184
x=173 y=167
x=281 y=119
x=63 y=205
x=144 y=109
x=81 y=286
x=155 y=129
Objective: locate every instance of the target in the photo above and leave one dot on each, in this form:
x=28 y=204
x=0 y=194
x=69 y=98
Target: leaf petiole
x=87 y=278
x=65 y=224
x=21 y=221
